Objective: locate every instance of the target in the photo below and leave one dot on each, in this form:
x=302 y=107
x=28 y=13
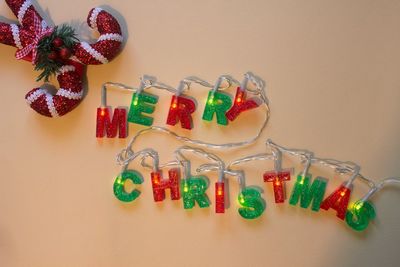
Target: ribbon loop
x=40 y=30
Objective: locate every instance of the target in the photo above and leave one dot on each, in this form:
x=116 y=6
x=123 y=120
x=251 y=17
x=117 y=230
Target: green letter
x=218 y=103
x=307 y=193
x=119 y=185
x=194 y=189
x=253 y=205
x=139 y=105
x=359 y=215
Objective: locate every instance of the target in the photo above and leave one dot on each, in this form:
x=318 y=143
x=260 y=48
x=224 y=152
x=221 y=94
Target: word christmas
x=306 y=192
x=218 y=104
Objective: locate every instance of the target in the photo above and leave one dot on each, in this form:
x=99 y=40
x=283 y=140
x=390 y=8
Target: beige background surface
x=332 y=70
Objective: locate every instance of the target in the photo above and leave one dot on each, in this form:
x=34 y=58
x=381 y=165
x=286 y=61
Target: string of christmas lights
x=192 y=188
x=218 y=104
x=306 y=192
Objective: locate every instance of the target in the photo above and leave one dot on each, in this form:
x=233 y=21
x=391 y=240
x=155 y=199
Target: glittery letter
x=140 y=104
x=278 y=179
x=251 y=202
x=240 y=104
x=338 y=201
x=111 y=127
x=306 y=193
x=220 y=197
x=217 y=103
x=159 y=185
x=119 y=185
x=194 y=190
x=359 y=215
x=180 y=110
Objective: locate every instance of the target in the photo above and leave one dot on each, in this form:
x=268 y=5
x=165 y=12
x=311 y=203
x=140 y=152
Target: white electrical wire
x=276 y=156
x=217 y=165
x=236 y=173
x=263 y=156
x=181 y=160
x=116 y=85
x=186 y=82
x=342 y=167
x=379 y=186
x=130 y=156
x=307 y=164
x=217 y=86
x=146 y=81
x=186 y=163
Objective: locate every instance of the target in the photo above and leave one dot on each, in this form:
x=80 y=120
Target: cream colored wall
x=332 y=70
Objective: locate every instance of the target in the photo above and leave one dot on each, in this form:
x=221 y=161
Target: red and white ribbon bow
x=37 y=35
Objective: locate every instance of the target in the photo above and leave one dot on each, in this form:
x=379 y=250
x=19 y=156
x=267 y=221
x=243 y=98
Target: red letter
x=220 y=197
x=338 y=201
x=180 y=109
x=104 y=124
x=240 y=104
x=159 y=185
x=278 y=179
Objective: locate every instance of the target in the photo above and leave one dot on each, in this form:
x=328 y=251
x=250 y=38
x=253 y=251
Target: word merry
x=193 y=189
x=218 y=105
